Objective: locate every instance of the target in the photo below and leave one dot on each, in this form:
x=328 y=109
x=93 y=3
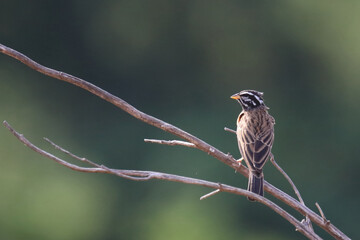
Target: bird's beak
x=236 y=96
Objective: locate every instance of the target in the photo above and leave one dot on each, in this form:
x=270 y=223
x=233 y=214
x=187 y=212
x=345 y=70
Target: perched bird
x=255 y=135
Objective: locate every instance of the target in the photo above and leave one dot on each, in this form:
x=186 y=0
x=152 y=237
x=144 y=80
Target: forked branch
x=148 y=175
x=199 y=144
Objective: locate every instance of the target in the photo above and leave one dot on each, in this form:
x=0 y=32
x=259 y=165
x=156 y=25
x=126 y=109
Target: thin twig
x=142 y=178
x=322 y=213
x=277 y=166
x=200 y=144
x=210 y=194
x=229 y=130
x=171 y=142
x=147 y=175
x=272 y=159
x=123 y=105
x=307 y=221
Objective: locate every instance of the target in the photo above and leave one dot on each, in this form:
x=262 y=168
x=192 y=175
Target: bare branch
x=272 y=159
x=171 y=142
x=229 y=130
x=200 y=144
x=210 y=194
x=124 y=106
x=277 y=166
x=307 y=221
x=322 y=213
x=142 y=178
x=147 y=175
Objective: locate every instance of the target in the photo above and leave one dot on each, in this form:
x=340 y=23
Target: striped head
x=249 y=99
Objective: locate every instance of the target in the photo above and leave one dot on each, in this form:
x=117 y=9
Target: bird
x=255 y=136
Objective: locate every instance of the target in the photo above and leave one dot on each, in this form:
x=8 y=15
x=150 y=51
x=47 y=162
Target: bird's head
x=249 y=99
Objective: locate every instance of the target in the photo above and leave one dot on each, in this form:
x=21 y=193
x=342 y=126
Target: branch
x=148 y=175
x=307 y=220
x=322 y=213
x=229 y=130
x=108 y=170
x=124 y=106
x=272 y=159
x=277 y=166
x=171 y=142
x=210 y=194
x=200 y=144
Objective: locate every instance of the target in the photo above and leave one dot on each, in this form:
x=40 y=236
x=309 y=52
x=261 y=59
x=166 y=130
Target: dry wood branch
x=148 y=175
x=171 y=142
x=322 y=213
x=307 y=220
x=200 y=144
x=124 y=106
x=277 y=166
x=141 y=178
x=210 y=194
x=229 y=130
x=272 y=159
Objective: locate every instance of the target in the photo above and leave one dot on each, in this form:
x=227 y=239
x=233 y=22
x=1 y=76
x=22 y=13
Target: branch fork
x=189 y=141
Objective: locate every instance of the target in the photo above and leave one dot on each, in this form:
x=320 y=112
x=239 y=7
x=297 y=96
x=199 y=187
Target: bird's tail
x=256 y=183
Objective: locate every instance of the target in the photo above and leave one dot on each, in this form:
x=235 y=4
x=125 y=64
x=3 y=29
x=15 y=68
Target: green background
x=178 y=61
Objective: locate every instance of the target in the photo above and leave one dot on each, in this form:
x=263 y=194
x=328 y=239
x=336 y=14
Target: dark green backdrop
x=179 y=61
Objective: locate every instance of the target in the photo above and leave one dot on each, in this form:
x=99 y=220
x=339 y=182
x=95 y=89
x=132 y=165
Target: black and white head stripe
x=250 y=99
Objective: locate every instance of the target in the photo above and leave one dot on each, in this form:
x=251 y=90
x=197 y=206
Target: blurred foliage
x=179 y=61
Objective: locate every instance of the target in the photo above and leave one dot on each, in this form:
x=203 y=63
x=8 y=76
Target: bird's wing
x=256 y=149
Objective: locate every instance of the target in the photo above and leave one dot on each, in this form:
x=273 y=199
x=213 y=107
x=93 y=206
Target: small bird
x=255 y=135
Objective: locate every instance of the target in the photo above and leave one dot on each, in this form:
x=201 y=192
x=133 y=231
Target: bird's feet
x=239 y=161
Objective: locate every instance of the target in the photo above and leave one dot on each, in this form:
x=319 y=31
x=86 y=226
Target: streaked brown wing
x=255 y=150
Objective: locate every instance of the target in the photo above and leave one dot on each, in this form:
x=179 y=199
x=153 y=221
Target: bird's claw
x=239 y=161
